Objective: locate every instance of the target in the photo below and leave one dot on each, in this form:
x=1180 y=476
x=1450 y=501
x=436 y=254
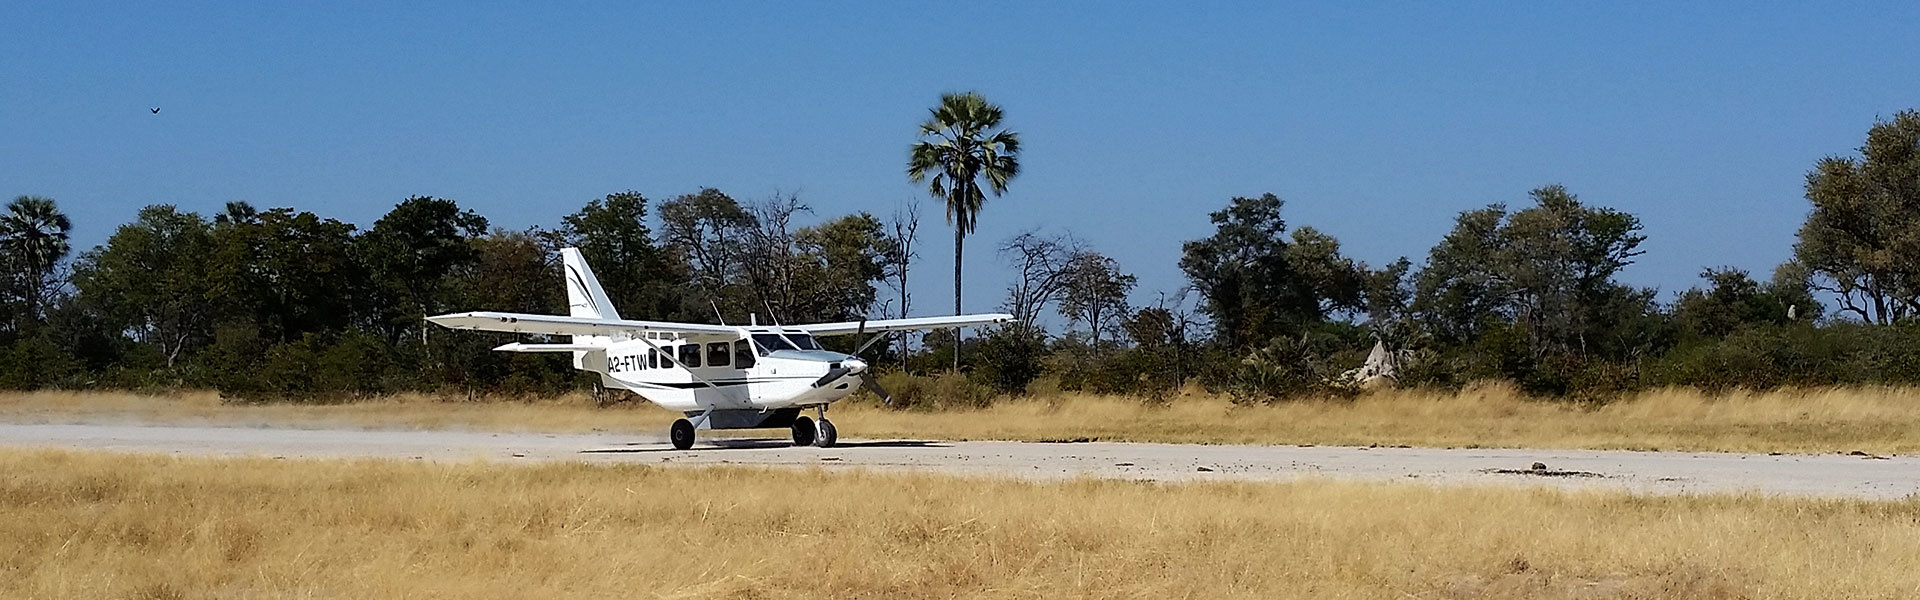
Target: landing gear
x=815 y=431
x=824 y=435
x=827 y=436
x=681 y=434
x=803 y=431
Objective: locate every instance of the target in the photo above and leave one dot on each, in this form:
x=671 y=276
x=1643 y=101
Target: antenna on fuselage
x=716 y=311
x=770 y=314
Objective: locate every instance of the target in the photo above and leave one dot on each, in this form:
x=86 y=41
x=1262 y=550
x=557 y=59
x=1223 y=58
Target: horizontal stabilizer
x=520 y=347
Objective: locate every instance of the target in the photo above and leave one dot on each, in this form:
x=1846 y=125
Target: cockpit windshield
x=770 y=342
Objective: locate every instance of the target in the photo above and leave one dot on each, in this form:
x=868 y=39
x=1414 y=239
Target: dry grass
x=406 y=411
x=83 y=525
x=1878 y=420
x=1883 y=420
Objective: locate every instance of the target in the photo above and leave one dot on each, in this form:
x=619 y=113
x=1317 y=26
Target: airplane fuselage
x=760 y=368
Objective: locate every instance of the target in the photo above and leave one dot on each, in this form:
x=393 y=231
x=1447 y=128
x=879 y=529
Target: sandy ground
x=1859 y=476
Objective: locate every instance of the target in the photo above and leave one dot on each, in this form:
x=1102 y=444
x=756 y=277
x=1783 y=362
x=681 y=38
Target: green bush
x=1288 y=369
x=943 y=391
x=1008 y=358
x=1766 y=357
x=34 y=363
x=1118 y=371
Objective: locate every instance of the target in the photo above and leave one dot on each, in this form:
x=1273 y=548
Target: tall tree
x=1094 y=292
x=281 y=274
x=1246 y=275
x=771 y=260
x=961 y=146
x=1862 y=240
x=638 y=275
x=837 y=265
x=411 y=252
x=1389 y=293
x=906 y=229
x=150 y=280
x=33 y=237
x=1041 y=265
x=1160 y=333
x=708 y=231
x=1337 y=283
x=1547 y=269
x=514 y=272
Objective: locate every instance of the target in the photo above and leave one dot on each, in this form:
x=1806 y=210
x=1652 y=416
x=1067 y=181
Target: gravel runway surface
x=1832 y=475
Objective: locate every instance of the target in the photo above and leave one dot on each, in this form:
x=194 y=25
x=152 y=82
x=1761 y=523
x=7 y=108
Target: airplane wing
x=899 y=324
x=561 y=325
x=523 y=347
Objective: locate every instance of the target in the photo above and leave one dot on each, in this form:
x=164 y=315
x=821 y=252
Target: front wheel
x=681 y=434
x=803 y=432
x=827 y=436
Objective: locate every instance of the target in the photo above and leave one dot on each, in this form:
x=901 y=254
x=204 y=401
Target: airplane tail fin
x=585 y=298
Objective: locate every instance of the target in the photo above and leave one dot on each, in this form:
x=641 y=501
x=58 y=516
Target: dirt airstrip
x=1853 y=475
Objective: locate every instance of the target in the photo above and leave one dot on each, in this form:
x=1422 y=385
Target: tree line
x=285 y=303
x=288 y=304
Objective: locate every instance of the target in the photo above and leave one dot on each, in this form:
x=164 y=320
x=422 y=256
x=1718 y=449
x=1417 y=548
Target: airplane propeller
x=869 y=381
x=872 y=384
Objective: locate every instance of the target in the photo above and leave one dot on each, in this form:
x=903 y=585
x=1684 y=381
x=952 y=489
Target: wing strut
x=705 y=419
x=676 y=362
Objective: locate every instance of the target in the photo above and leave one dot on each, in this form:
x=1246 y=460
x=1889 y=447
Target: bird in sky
x=155 y=110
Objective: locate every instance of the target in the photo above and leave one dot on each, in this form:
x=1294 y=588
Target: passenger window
x=743 y=354
x=717 y=353
x=690 y=355
x=653 y=358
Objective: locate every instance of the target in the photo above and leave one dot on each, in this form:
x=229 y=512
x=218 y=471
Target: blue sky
x=1377 y=122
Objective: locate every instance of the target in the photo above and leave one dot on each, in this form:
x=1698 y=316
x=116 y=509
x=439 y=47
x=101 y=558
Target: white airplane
x=720 y=376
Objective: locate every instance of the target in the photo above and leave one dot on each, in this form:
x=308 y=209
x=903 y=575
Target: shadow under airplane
x=766 y=444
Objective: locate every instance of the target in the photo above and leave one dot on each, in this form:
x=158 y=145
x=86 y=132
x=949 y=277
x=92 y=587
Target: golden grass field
x=97 y=525
x=1877 y=420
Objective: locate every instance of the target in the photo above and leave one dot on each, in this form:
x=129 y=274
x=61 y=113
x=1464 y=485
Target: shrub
x=935 y=392
x=1008 y=358
x=1288 y=368
x=1767 y=357
x=34 y=362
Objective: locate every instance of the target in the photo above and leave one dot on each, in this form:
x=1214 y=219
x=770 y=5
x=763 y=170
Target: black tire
x=803 y=432
x=681 y=434
x=827 y=436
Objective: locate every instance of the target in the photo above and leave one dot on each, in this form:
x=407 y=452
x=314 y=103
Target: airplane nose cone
x=854 y=365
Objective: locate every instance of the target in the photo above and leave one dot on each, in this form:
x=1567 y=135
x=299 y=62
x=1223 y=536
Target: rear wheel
x=803 y=432
x=827 y=436
x=681 y=434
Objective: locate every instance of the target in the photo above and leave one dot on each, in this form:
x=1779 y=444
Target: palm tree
x=959 y=146
x=33 y=238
